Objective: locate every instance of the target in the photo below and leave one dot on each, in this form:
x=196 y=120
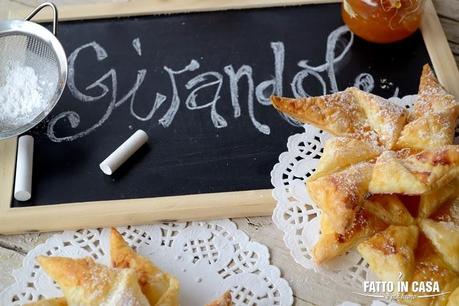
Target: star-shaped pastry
x=388 y=183
x=132 y=280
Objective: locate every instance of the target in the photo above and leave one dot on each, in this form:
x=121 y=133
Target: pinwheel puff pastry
x=132 y=280
x=388 y=183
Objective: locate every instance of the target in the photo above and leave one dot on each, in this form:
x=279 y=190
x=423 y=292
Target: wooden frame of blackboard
x=175 y=208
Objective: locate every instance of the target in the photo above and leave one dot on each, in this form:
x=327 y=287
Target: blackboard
x=224 y=137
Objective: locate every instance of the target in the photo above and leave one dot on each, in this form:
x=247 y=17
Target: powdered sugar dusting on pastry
x=351 y=178
x=429 y=132
x=368 y=135
x=352 y=112
x=432 y=97
x=98 y=283
x=396 y=118
x=342 y=152
x=450 y=225
x=335 y=113
x=85 y=282
x=340 y=193
x=126 y=290
x=124 y=297
x=384 y=117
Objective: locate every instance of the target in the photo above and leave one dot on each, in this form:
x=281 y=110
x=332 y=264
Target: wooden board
x=201 y=206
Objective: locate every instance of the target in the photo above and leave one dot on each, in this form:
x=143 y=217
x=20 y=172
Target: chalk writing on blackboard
x=339 y=43
x=365 y=81
x=137 y=46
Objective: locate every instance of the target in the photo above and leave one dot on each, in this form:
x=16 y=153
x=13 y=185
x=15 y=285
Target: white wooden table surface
x=309 y=288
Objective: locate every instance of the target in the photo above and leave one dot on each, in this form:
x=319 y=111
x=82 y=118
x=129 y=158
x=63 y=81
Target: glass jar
x=382 y=21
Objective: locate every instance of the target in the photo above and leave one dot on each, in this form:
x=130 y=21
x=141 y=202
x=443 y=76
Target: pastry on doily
x=386 y=167
x=351 y=112
x=336 y=113
x=431 y=267
x=390 y=253
x=431 y=201
x=432 y=97
x=391 y=176
x=342 y=152
x=417 y=174
x=133 y=281
x=224 y=300
x=60 y=301
x=85 y=282
x=389 y=208
x=445 y=237
x=433 y=118
x=435 y=167
x=332 y=244
x=429 y=132
x=387 y=119
x=340 y=194
x=160 y=288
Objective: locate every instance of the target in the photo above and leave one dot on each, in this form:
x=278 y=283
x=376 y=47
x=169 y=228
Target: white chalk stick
x=24 y=165
x=129 y=147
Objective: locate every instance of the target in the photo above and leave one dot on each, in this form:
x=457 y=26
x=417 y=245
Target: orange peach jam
x=382 y=21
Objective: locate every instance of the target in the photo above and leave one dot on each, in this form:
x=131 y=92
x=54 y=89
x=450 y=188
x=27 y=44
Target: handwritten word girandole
x=340 y=37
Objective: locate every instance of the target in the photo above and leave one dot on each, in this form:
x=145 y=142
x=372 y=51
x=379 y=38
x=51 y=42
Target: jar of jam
x=382 y=21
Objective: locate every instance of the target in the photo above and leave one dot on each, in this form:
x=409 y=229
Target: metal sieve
x=30 y=44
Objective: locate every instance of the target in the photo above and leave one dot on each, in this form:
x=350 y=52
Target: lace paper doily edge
x=273 y=271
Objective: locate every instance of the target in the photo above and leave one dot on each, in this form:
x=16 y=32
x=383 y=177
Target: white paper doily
x=297 y=215
x=207 y=257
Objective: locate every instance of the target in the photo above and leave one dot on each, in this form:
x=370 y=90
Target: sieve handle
x=42 y=6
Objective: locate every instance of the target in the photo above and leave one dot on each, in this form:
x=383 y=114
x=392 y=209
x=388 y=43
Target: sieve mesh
x=27 y=50
x=25 y=44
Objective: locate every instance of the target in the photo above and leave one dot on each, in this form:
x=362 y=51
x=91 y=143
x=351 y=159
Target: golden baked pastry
x=389 y=208
x=432 y=200
x=391 y=252
x=50 y=302
x=391 y=176
x=448 y=212
x=445 y=237
x=436 y=167
x=332 y=244
x=350 y=112
x=434 y=116
x=171 y=296
x=134 y=280
x=335 y=113
x=431 y=267
x=340 y=194
x=160 y=288
x=429 y=132
x=405 y=153
x=432 y=97
x=453 y=299
x=416 y=174
x=387 y=119
x=342 y=152
x=387 y=166
x=86 y=283
x=224 y=300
